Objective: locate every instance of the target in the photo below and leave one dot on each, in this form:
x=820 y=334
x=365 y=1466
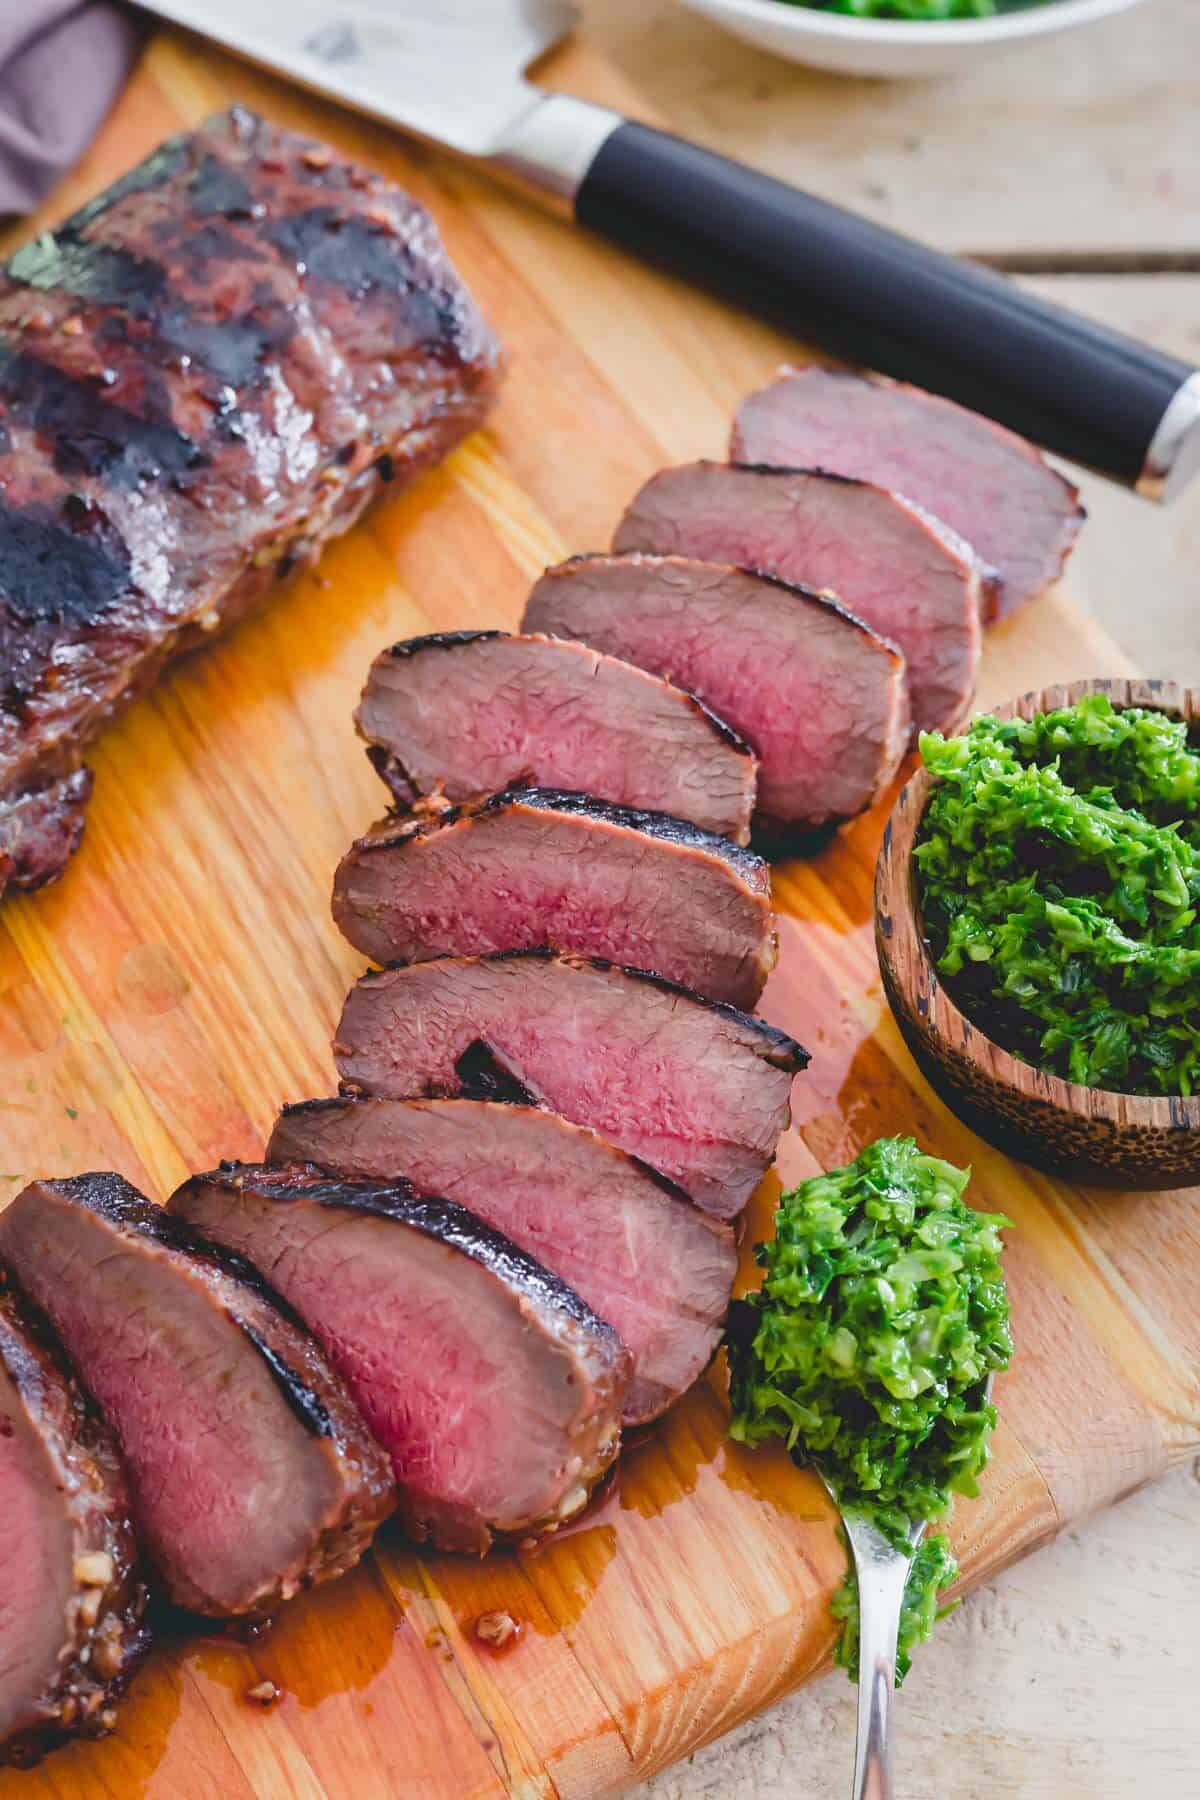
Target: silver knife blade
x=450 y=71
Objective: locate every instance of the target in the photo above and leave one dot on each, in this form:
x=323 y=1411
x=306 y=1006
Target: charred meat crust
x=395 y=832
x=114 y=1199
x=362 y=1491
x=399 y=1200
x=547 y=1313
x=104 y=1636
x=204 y=374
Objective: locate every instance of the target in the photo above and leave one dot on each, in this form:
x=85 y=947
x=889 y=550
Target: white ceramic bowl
x=893 y=46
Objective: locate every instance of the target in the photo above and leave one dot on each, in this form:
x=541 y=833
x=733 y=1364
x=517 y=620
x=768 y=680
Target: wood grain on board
x=183 y=979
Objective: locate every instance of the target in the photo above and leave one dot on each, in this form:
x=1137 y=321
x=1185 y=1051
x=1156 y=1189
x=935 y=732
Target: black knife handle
x=872 y=296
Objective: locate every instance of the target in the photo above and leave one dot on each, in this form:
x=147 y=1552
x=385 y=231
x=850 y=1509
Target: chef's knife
x=454 y=72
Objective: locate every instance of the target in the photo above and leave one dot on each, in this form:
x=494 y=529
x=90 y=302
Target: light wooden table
x=1073 y=1677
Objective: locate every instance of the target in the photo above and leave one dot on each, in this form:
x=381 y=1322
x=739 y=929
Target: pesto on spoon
x=882 y=1316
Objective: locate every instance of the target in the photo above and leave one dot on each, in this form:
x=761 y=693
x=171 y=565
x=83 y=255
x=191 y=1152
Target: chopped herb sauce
x=882 y=1314
x=1058 y=866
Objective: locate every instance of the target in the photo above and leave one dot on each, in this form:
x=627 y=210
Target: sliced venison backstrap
x=535 y=868
x=699 y=1091
x=71 y=1601
x=823 y=700
x=893 y=565
x=495 y=1390
x=1019 y=515
x=642 y=1256
x=466 y=713
x=251 y=1474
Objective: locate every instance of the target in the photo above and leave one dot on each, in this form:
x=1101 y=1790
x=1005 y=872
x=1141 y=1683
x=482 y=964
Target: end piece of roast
x=641 y=1255
x=1020 y=516
x=205 y=374
x=897 y=568
x=534 y=868
x=493 y=1387
x=251 y=1475
x=71 y=1603
x=823 y=700
x=697 y=1090
x=466 y=713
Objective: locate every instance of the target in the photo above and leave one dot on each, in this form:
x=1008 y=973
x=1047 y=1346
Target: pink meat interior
x=814 y=695
x=518 y=877
x=206 y=1435
x=477 y=717
x=462 y=1397
x=651 y=1265
x=36 y=1550
x=678 y=1085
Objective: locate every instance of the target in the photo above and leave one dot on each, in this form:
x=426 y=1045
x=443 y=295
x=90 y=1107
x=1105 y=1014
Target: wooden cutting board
x=158 y=1005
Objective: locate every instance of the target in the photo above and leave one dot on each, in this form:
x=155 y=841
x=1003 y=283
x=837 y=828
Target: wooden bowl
x=1088 y=1134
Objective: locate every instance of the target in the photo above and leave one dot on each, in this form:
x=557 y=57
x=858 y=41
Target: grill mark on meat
x=182 y=365
x=57 y=570
x=367 y=258
x=217 y=188
x=89 y=435
x=439 y=640
x=305 y=1404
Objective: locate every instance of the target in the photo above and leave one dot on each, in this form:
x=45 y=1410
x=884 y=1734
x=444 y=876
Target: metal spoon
x=882 y=1573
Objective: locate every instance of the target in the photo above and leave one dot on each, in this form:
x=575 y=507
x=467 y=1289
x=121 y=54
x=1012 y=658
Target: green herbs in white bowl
x=882 y=1315
x=898 y=37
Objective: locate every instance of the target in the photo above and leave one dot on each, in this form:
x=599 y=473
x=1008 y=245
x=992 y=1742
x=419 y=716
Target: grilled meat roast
x=466 y=713
x=699 y=1091
x=823 y=700
x=1019 y=515
x=533 y=868
x=204 y=375
x=495 y=1389
x=641 y=1255
x=251 y=1474
x=71 y=1601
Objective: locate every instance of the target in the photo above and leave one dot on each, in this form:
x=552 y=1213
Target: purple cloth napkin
x=62 y=64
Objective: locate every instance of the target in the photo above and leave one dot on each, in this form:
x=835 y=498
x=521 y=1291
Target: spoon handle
x=882 y=1573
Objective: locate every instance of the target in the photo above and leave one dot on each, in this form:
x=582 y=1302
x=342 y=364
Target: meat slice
x=536 y=868
x=823 y=700
x=71 y=1603
x=250 y=1472
x=992 y=487
x=497 y=1392
x=204 y=375
x=893 y=566
x=635 y=1248
x=466 y=713
x=698 y=1091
